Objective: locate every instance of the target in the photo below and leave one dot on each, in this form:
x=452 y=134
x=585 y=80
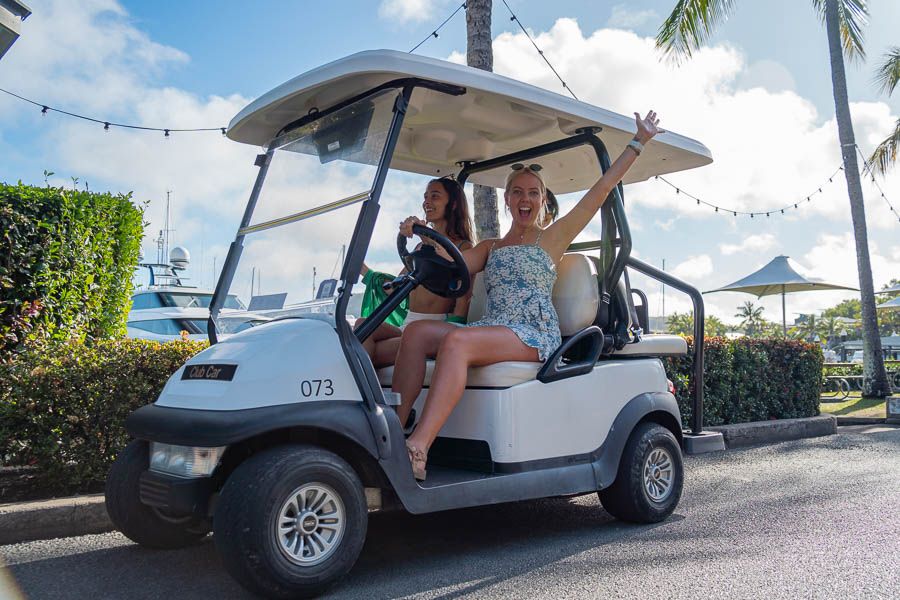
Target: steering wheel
x=446 y=278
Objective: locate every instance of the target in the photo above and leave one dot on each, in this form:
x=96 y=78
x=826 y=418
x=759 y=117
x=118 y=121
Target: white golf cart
x=279 y=439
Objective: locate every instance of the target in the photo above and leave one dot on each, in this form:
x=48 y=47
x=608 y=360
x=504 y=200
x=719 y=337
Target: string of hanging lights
x=868 y=170
x=434 y=34
x=108 y=124
x=753 y=214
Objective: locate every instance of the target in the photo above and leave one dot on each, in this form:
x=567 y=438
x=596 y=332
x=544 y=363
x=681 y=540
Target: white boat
x=166 y=309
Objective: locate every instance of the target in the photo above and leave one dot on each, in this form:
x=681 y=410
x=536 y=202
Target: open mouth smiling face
x=524 y=199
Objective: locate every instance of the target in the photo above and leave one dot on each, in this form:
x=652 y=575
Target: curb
x=841 y=421
x=741 y=435
x=48 y=519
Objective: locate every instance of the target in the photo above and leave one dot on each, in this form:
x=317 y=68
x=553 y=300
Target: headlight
x=184 y=461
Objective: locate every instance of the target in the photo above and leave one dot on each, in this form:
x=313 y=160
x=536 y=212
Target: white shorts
x=412 y=317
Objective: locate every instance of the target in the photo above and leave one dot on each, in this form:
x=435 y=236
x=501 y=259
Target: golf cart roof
x=495 y=116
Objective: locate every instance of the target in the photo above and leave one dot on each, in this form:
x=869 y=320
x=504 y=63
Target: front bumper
x=176 y=495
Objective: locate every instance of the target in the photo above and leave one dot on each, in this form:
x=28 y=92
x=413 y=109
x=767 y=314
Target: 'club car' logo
x=209 y=372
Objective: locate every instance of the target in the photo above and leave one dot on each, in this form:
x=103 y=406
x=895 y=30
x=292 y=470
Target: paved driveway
x=809 y=519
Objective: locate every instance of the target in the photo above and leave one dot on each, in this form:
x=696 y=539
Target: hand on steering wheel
x=446 y=276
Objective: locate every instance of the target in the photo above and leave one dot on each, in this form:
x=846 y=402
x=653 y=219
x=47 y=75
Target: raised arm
x=562 y=232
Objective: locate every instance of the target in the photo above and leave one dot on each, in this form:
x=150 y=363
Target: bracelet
x=636 y=146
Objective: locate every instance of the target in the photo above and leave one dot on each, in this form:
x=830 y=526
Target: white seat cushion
x=499 y=375
x=656 y=344
x=576 y=295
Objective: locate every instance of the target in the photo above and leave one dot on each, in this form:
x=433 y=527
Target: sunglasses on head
x=532 y=167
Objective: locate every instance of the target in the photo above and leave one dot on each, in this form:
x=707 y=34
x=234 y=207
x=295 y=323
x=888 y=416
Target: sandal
x=418 y=458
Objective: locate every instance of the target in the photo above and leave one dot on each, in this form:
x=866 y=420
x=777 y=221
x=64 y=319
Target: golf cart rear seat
x=576 y=298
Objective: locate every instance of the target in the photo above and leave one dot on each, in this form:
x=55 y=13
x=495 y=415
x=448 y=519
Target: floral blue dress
x=519 y=284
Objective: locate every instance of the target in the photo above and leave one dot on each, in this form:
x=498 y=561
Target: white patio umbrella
x=780 y=276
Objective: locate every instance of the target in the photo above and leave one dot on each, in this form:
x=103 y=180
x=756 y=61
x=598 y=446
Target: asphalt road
x=814 y=518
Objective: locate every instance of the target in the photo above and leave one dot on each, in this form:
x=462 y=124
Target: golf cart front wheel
x=145 y=525
x=291 y=521
x=650 y=477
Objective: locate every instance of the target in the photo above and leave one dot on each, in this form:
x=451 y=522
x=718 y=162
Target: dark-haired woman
x=447 y=212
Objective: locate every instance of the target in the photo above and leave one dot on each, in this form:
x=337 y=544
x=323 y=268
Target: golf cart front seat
x=576 y=299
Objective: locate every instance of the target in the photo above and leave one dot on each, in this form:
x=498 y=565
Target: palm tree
x=809 y=328
x=830 y=328
x=887 y=76
x=751 y=318
x=480 y=54
x=714 y=327
x=686 y=29
x=680 y=324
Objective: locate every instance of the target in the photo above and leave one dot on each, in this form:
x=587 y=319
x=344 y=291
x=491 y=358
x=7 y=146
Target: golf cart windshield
x=316 y=171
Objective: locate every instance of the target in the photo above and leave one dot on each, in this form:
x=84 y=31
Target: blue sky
x=760 y=98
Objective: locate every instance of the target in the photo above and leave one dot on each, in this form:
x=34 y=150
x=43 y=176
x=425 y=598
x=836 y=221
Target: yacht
x=167 y=309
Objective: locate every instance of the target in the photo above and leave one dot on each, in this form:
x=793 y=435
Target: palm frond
x=853 y=16
x=887 y=76
x=691 y=23
x=885 y=155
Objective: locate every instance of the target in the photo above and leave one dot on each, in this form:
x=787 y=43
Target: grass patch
x=855 y=407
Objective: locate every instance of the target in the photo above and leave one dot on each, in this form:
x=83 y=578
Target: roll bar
x=699 y=316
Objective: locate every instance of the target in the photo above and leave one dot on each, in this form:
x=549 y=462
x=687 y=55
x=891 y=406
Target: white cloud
x=626 y=18
x=771 y=148
x=752 y=243
x=407 y=11
x=767 y=74
x=694 y=268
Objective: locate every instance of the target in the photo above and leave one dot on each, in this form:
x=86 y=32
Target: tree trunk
x=875 y=382
x=480 y=54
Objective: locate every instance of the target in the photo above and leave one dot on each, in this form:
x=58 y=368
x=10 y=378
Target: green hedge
x=63 y=405
x=751 y=380
x=66 y=263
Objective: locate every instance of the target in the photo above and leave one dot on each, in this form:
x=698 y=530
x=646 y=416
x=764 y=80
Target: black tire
x=627 y=499
x=140 y=523
x=249 y=509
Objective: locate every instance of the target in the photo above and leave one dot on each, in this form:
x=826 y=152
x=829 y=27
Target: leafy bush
x=750 y=380
x=66 y=260
x=63 y=405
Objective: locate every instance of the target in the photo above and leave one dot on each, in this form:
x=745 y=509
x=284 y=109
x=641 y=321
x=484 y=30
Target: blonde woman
x=520 y=322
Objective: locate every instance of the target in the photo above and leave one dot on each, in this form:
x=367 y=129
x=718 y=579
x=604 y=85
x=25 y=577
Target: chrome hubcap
x=658 y=474
x=310 y=524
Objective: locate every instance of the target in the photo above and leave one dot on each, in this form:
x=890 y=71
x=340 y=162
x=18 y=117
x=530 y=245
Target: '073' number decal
x=316 y=387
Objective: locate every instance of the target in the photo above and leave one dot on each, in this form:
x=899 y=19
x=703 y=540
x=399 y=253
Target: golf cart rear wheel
x=650 y=477
x=291 y=521
x=145 y=525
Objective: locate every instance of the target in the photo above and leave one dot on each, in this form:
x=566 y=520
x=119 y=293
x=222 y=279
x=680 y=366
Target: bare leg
x=420 y=342
x=383 y=332
x=459 y=349
x=386 y=352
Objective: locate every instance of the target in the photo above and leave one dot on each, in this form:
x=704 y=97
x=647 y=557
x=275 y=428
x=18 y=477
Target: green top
x=375 y=295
